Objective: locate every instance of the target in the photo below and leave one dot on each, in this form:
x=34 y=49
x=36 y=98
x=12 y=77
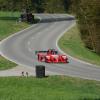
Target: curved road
x=21 y=46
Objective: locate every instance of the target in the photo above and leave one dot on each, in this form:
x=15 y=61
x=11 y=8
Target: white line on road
x=30 y=50
x=29 y=43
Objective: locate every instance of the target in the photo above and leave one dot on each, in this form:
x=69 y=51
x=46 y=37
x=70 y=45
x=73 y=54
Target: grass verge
x=8 y=26
x=72 y=44
x=51 y=88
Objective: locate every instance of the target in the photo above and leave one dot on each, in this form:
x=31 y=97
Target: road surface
x=21 y=46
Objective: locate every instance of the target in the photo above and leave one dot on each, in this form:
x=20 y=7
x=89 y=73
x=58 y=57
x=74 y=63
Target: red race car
x=51 y=56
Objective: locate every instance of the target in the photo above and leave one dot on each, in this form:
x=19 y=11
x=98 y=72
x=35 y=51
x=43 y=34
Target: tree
x=38 y=5
x=54 y=6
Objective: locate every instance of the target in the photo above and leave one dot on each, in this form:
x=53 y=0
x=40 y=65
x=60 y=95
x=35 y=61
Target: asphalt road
x=21 y=46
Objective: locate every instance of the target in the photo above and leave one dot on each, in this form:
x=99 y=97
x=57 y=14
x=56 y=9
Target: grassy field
x=72 y=44
x=8 y=26
x=6 y=64
x=51 y=88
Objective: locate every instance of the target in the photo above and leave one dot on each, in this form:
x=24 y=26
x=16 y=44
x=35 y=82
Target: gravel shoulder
x=17 y=71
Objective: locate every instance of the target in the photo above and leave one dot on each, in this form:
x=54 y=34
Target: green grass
x=6 y=64
x=72 y=44
x=51 y=88
x=8 y=26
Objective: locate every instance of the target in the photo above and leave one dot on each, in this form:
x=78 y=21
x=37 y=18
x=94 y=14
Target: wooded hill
x=88 y=15
x=87 y=12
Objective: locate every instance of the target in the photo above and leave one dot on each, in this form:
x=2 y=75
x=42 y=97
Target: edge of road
x=16 y=33
x=81 y=61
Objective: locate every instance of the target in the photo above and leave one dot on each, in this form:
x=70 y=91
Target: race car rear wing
x=40 y=52
x=56 y=52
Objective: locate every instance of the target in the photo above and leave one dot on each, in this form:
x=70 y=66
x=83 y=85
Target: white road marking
x=30 y=50
x=32 y=38
x=29 y=43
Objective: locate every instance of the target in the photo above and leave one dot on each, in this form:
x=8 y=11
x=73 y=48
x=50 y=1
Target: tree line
x=38 y=6
x=88 y=15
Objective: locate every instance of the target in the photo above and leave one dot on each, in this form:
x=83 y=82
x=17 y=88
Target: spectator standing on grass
x=27 y=74
x=22 y=73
